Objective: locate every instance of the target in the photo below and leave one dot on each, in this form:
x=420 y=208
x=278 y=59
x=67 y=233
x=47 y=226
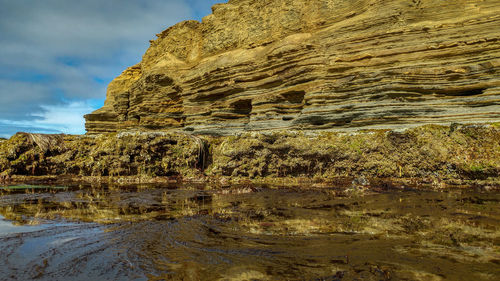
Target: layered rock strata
x=314 y=64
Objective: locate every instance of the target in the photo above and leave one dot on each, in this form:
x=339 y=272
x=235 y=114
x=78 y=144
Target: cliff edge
x=257 y=65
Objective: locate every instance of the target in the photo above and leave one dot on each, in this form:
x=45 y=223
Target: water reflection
x=7 y=227
x=251 y=233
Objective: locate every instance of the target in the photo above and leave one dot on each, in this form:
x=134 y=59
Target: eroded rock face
x=426 y=154
x=314 y=64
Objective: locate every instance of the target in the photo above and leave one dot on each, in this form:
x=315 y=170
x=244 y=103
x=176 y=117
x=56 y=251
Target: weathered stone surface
x=430 y=153
x=314 y=64
x=151 y=154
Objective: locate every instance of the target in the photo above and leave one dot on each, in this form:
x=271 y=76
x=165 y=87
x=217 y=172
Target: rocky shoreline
x=427 y=156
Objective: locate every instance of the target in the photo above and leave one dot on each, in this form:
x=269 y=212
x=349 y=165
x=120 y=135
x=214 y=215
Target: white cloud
x=54 y=51
x=64 y=118
x=59 y=48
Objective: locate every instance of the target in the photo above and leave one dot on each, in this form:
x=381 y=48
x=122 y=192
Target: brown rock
x=314 y=64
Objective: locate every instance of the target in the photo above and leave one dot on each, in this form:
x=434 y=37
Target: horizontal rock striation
x=313 y=65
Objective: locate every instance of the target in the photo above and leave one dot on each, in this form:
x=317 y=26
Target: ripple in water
x=248 y=233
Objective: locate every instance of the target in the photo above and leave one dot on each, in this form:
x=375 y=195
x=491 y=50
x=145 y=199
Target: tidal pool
x=248 y=233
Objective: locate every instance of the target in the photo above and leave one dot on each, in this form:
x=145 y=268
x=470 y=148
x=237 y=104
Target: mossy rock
x=442 y=152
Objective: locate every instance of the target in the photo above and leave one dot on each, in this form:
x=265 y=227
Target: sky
x=58 y=56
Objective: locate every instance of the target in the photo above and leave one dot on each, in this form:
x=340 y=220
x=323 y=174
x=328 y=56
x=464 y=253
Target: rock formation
x=314 y=64
x=458 y=154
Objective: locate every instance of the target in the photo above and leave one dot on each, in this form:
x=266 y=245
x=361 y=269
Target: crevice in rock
x=473 y=92
x=243 y=107
x=295 y=97
x=159 y=79
x=463 y=93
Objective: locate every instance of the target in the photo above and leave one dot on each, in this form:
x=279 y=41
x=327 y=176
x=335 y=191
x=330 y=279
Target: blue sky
x=57 y=56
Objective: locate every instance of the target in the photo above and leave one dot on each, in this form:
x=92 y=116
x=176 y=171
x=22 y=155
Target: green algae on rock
x=433 y=154
x=124 y=154
x=468 y=152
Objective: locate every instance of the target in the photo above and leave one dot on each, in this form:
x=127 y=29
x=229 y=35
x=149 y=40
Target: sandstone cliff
x=314 y=64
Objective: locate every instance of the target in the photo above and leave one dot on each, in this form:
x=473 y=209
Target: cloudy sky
x=57 y=56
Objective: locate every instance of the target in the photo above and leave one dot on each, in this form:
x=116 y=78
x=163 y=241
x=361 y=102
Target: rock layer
x=314 y=64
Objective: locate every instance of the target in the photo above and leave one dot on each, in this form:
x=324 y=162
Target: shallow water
x=248 y=233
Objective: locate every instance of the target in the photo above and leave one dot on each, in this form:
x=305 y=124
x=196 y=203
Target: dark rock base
x=435 y=155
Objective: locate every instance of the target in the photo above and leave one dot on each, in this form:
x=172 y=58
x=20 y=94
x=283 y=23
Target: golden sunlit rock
x=315 y=64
